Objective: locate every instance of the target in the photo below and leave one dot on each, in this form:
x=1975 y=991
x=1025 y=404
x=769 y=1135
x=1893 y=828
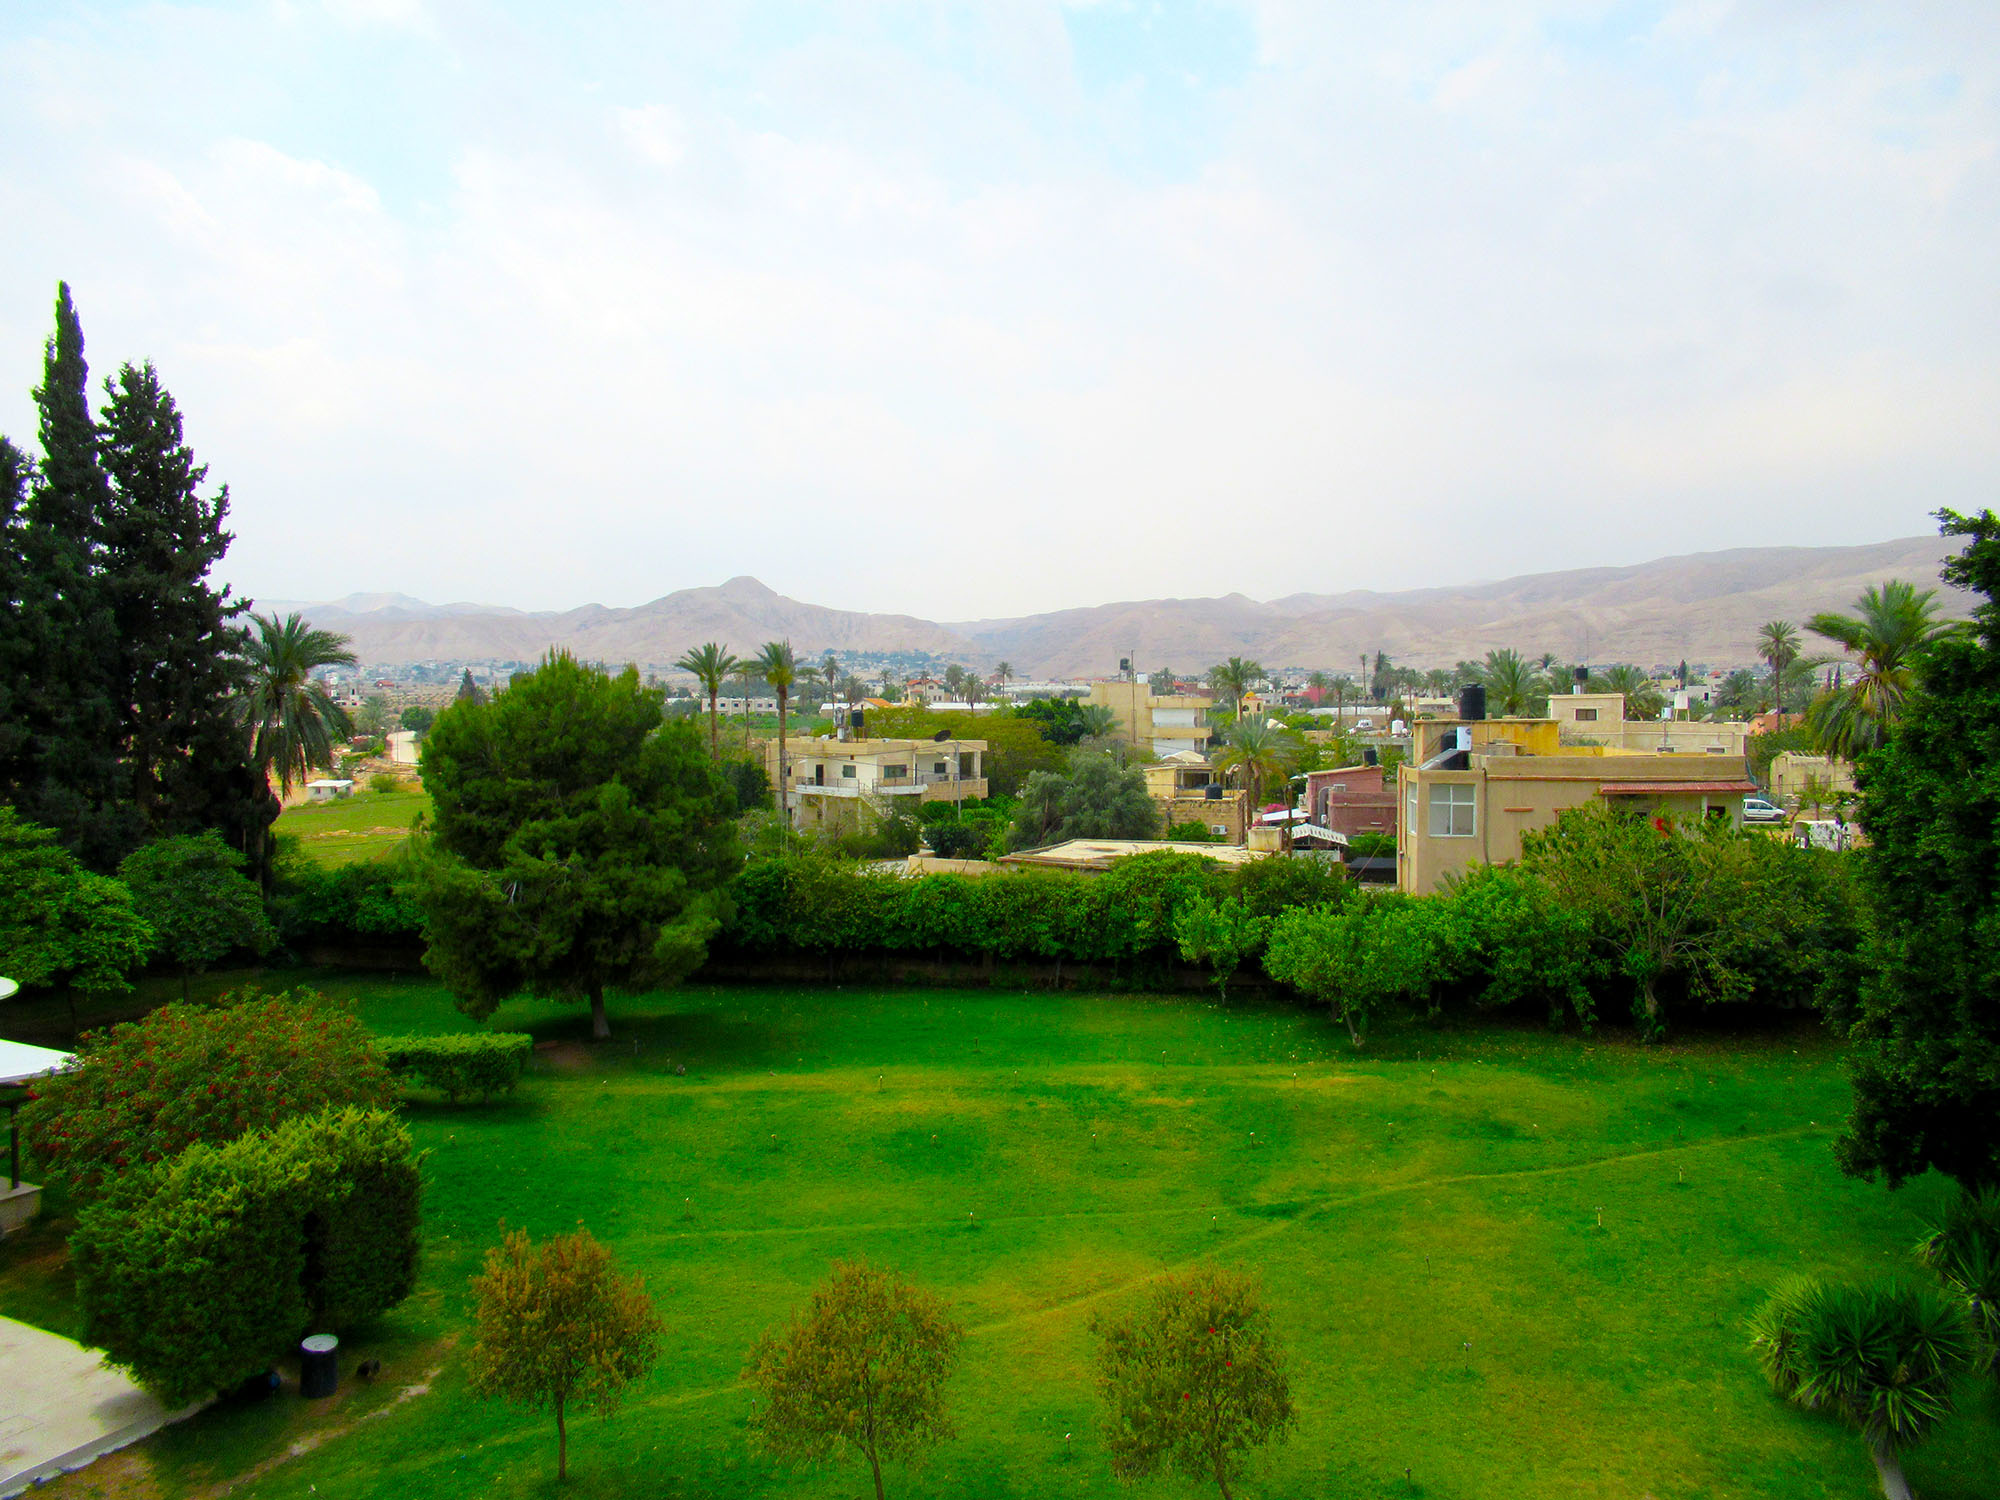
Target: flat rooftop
x=1099 y=854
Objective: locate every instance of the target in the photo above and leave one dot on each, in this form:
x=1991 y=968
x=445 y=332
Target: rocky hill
x=1702 y=607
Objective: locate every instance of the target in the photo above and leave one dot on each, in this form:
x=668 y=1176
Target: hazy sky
x=986 y=309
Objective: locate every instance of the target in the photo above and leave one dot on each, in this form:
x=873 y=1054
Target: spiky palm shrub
x=1964 y=1250
x=1882 y=1358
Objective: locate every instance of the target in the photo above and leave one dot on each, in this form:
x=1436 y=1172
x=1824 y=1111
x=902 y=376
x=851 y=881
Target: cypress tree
x=180 y=650
x=66 y=774
x=15 y=657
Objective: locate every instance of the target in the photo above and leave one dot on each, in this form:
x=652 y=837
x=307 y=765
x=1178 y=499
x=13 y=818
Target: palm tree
x=1642 y=699
x=1235 y=677
x=829 y=672
x=1882 y=1358
x=1778 y=644
x=1438 y=682
x=292 y=720
x=1261 y=748
x=777 y=666
x=1097 y=721
x=1318 y=685
x=1341 y=686
x=1003 y=674
x=1895 y=622
x=1963 y=1249
x=1510 y=682
x=711 y=663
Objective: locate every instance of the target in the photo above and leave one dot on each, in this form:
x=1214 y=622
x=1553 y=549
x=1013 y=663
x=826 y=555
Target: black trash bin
x=319 y=1365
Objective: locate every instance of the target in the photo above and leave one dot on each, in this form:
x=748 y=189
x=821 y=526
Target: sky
x=979 y=310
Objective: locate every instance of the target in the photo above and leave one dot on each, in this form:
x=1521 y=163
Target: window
x=895 y=773
x=848 y=772
x=1586 y=716
x=941 y=768
x=1452 y=810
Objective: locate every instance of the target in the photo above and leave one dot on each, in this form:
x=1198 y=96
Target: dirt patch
x=566 y=1057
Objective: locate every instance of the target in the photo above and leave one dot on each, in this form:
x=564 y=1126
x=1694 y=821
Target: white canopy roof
x=19 y=1062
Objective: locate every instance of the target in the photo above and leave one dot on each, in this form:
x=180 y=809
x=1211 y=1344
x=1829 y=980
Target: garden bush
x=197 y=1273
x=147 y=1090
x=460 y=1064
x=345 y=904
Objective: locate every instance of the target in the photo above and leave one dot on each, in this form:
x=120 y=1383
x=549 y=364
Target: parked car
x=1757 y=810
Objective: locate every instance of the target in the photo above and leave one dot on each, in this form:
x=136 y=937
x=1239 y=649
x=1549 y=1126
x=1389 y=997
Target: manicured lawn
x=362 y=826
x=1036 y=1157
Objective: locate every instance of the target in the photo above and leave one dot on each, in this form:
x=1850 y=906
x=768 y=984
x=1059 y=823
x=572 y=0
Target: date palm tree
x=1642 y=699
x=1895 y=620
x=293 y=720
x=1510 y=683
x=829 y=672
x=1235 y=677
x=1882 y=1358
x=1778 y=644
x=1003 y=674
x=711 y=663
x=1261 y=749
x=778 y=666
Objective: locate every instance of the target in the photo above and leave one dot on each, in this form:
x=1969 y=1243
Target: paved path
x=60 y=1407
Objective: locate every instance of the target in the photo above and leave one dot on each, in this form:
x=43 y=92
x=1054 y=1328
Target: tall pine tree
x=65 y=773
x=180 y=650
x=16 y=657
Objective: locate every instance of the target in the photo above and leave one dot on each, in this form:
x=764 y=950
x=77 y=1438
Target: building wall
x=1351 y=800
x=1600 y=717
x=1161 y=724
x=1515 y=794
x=1790 y=770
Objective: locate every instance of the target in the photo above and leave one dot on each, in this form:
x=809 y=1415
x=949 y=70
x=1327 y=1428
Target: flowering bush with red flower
x=145 y=1091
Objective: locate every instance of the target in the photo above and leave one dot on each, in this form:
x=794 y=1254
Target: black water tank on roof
x=1472 y=702
x=1370 y=756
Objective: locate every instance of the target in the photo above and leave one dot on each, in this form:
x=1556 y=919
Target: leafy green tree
x=863 y=1364
x=178 y=668
x=1222 y=934
x=579 y=844
x=1193 y=1380
x=64 y=771
x=1884 y=1359
x=560 y=1328
x=192 y=892
x=1924 y=1034
x=1894 y=623
x=779 y=667
x=1098 y=799
x=146 y=1090
x=417 y=718
x=60 y=924
x=712 y=665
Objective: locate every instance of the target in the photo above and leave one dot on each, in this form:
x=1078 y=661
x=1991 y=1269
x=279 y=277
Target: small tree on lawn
x=1222 y=934
x=1194 y=1379
x=193 y=893
x=1884 y=1359
x=559 y=1327
x=864 y=1363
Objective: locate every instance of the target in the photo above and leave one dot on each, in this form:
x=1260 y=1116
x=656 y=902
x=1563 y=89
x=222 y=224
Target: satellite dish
x=942 y=735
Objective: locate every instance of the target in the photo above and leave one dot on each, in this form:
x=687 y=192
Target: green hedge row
x=812 y=904
x=361 y=903
x=201 y=1271
x=460 y=1064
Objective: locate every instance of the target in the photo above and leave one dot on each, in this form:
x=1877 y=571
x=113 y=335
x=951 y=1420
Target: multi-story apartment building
x=833 y=780
x=1162 y=725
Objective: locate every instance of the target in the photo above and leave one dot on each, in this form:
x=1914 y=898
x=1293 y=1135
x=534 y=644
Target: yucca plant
x=1963 y=1249
x=1882 y=1358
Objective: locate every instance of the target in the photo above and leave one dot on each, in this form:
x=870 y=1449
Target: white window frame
x=1458 y=802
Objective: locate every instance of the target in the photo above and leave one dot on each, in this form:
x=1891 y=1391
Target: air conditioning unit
x=1220 y=830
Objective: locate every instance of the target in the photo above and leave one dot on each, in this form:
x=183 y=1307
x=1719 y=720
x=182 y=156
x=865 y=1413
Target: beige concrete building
x=1473 y=787
x=833 y=782
x=1599 y=718
x=1790 y=771
x=1158 y=725
x=1189 y=789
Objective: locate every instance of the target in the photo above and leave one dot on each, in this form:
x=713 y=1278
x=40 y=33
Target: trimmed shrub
x=358 y=903
x=956 y=840
x=196 y=1274
x=460 y=1064
x=148 y=1090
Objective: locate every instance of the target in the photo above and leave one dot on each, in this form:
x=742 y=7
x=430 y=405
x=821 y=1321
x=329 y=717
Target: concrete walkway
x=60 y=1407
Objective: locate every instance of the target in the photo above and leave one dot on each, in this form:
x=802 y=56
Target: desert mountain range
x=1703 y=607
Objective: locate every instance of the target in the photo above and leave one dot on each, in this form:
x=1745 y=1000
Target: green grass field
x=363 y=826
x=1425 y=1215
